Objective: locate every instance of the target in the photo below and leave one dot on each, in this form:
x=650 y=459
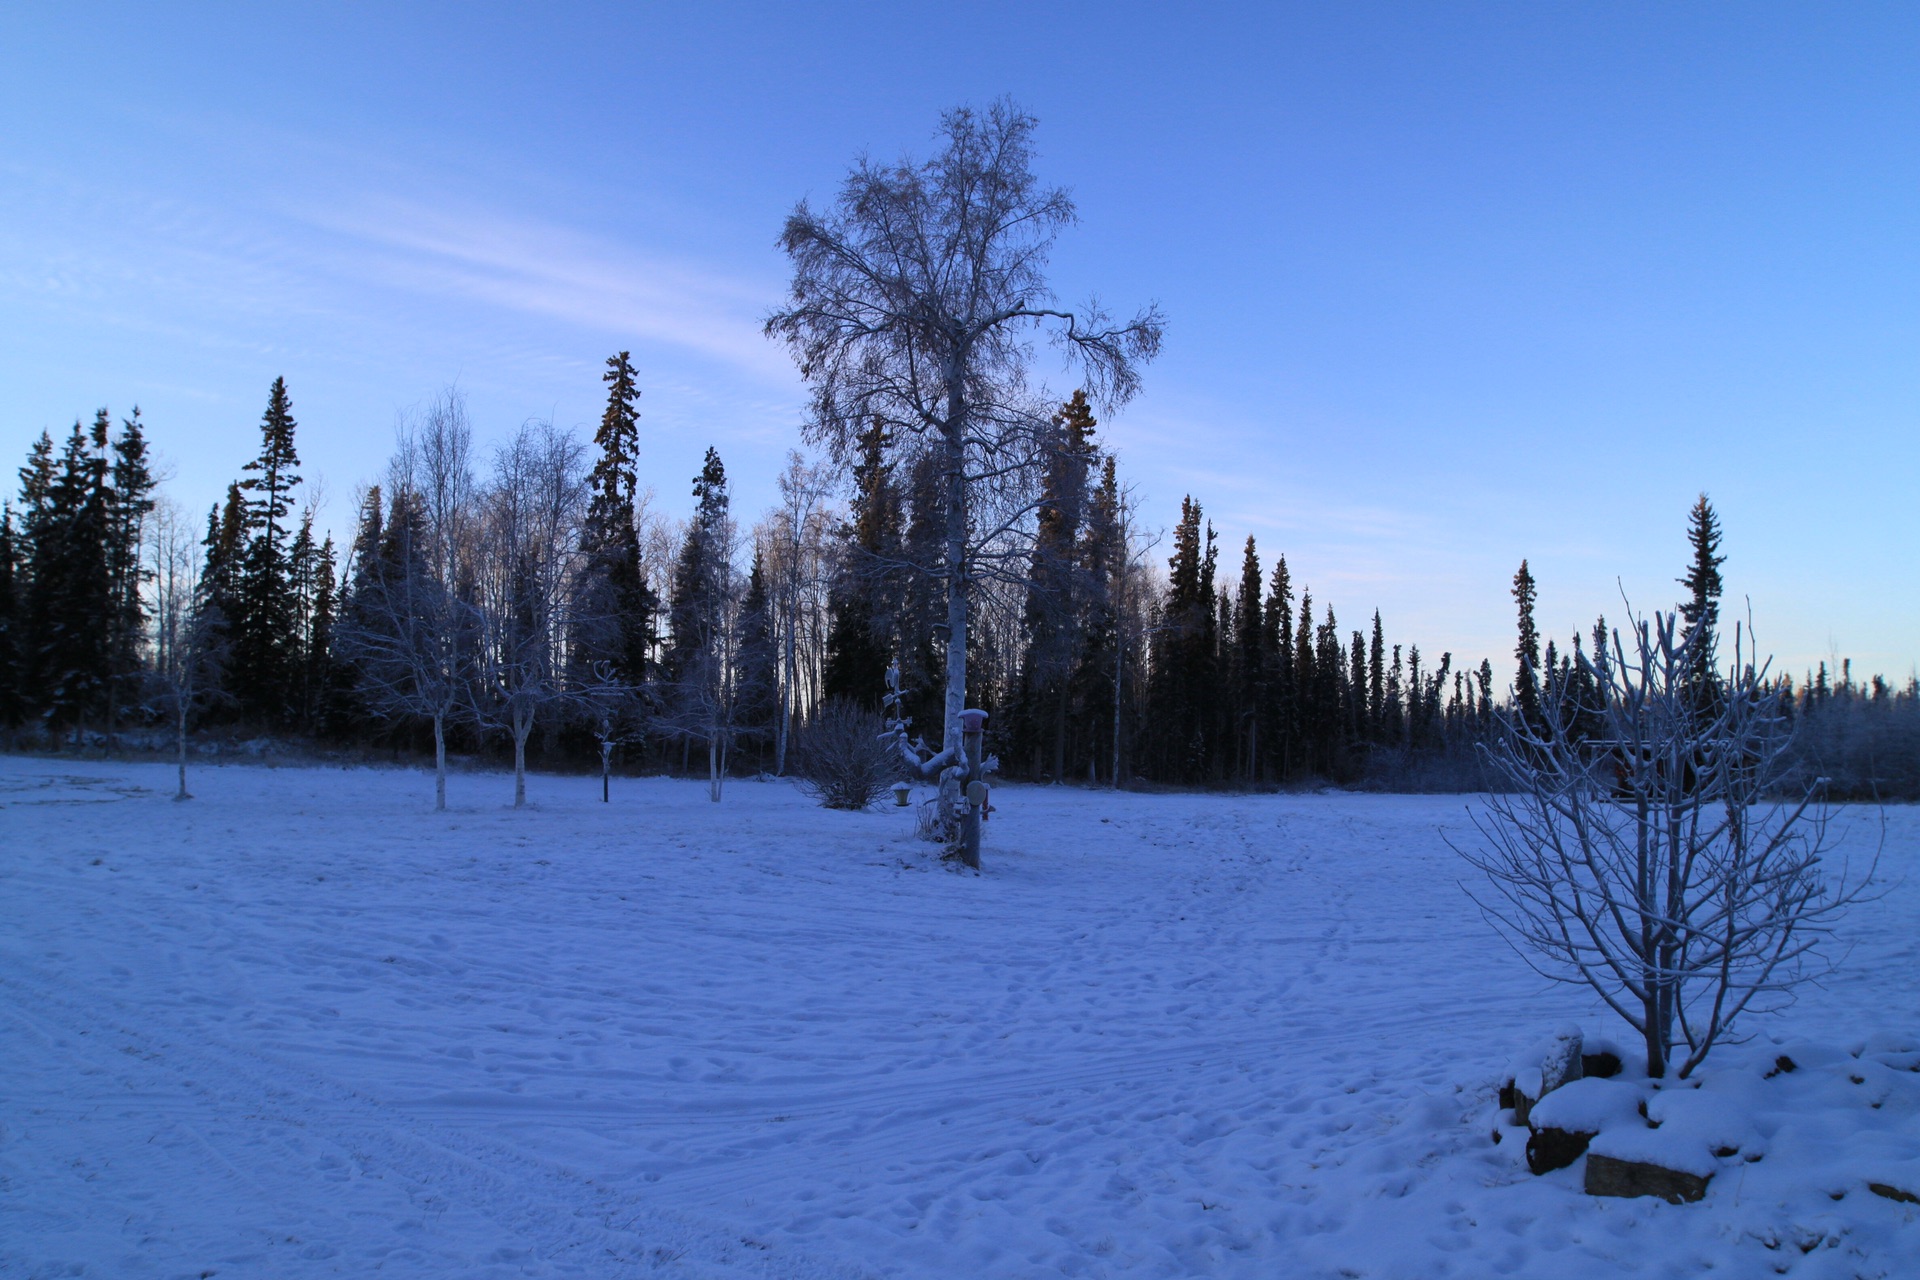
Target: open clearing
x=303 y=1026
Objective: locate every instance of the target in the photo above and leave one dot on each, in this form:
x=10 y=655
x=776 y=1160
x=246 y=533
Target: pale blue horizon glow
x=1447 y=286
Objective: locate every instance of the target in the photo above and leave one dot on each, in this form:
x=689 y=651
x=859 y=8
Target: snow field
x=303 y=1026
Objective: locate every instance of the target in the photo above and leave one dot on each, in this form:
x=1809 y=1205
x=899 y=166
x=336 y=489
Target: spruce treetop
x=1702 y=581
x=274 y=476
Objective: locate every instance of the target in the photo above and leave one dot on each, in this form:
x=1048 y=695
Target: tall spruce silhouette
x=614 y=612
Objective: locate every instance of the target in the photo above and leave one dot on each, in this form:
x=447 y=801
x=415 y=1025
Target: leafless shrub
x=1667 y=860
x=843 y=758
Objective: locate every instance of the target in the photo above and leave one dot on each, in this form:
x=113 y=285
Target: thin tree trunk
x=439 y=760
x=1119 y=671
x=180 y=738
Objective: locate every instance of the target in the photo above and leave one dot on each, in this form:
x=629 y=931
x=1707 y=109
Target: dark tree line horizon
x=539 y=606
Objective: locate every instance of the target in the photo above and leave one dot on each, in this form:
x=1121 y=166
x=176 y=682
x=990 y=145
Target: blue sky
x=1447 y=285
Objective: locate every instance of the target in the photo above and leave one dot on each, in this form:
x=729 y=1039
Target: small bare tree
x=1670 y=861
x=914 y=303
x=797 y=536
x=529 y=548
x=187 y=648
x=414 y=627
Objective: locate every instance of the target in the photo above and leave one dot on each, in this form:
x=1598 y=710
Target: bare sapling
x=1655 y=843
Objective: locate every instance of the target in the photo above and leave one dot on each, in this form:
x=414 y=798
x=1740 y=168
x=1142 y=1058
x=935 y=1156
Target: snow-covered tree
x=1673 y=862
x=914 y=300
x=413 y=627
x=529 y=549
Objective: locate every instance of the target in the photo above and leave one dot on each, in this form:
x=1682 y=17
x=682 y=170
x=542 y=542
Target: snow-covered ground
x=303 y=1026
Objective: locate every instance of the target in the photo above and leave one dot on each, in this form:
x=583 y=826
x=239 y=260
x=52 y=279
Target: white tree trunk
x=954 y=778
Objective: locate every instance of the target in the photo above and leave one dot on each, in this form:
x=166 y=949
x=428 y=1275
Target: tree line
x=531 y=602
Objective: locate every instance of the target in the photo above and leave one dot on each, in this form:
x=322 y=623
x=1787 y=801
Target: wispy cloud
x=554 y=272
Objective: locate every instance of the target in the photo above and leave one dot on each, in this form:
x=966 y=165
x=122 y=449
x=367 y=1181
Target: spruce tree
x=325 y=683
x=1360 y=719
x=1526 y=681
x=13 y=705
x=1183 y=663
x=129 y=502
x=264 y=669
x=693 y=617
x=1052 y=618
x=1306 y=688
x=921 y=622
x=1701 y=610
x=1250 y=664
x=1097 y=684
x=860 y=624
x=71 y=594
x=615 y=609
x=1377 y=682
x=756 y=663
x=36 y=530
x=220 y=582
x=1278 y=647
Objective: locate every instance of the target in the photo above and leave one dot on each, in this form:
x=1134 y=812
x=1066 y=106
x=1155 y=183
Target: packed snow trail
x=304 y=1026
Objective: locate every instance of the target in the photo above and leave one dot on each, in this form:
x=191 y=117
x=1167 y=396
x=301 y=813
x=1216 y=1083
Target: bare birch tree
x=186 y=637
x=1671 y=862
x=413 y=626
x=797 y=536
x=914 y=302
x=533 y=510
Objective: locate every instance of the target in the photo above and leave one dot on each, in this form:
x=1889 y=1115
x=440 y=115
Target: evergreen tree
x=1396 y=712
x=1277 y=645
x=326 y=682
x=37 y=530
x=1526 y=682
x=920 y=626
x=1330 y=698
x=264 y=669
x=756 y=663
x=1183 y=654
x=1250 y=665
x=70 y=594
x=692 y=618
x=129 y=502
x=1104 y=565
x=615 y=609
x=219 y=605
x=13 y=702
x=859 y=621
x=1360 y=719
x=1701 y=610
x=1053 y=616
x=1377 y=682
x=1306 y=687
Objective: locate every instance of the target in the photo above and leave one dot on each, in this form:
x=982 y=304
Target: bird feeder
x=902 y=794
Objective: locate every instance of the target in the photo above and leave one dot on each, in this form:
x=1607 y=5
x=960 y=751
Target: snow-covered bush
x=1652 y=844
x=844 y=756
